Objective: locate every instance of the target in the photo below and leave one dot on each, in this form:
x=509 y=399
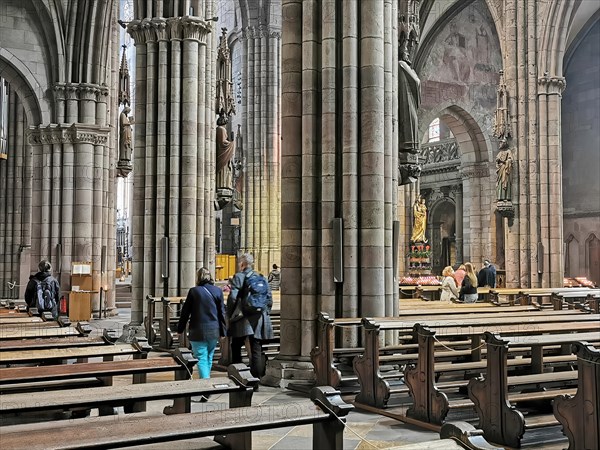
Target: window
x=3 y=114
x=434 y=130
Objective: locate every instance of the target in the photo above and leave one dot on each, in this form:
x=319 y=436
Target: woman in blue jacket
x=204 y=307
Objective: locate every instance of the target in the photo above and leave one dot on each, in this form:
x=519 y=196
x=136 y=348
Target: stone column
x=170 y=192
x=535 y=39
x=261 y=215
x=458 y=198
x=336 y=102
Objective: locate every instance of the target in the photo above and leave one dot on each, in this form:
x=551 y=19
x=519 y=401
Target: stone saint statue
x=225 y=150
x=504 y=161
x=125 y=135
x=420 y=221
x=409 y=100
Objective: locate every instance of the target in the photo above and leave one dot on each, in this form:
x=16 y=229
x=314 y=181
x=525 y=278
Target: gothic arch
x=472 y=142
x=26 y=86
x=555 y=32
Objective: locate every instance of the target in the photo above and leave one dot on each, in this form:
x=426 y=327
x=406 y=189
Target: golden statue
x=420 y=220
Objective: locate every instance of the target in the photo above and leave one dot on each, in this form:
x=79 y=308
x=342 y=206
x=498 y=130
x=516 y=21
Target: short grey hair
x=44 y=266
x=203 y=276
x=248 y=258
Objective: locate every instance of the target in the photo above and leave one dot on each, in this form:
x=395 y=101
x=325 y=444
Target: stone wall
x=581 y=153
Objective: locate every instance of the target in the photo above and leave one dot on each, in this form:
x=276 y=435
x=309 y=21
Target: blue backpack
x=45 y=301
x=256 y=299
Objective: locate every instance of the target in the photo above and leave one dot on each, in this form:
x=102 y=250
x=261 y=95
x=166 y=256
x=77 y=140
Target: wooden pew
x=58 y=355
x=181 y=363
x=374 y=388
x=81 y=329
x=12 y=320
x=453 y=436
x=323 y=355
x=430 y=403
x=579 y=415
x=231 y=427
x=239 y=385
x=500 y=420
x=108 y=337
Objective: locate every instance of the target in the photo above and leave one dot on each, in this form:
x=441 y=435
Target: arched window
x=3 y=115
x=434 y=130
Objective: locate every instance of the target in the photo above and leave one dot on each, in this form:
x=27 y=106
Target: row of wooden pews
x=440 y=350
x=42 y=378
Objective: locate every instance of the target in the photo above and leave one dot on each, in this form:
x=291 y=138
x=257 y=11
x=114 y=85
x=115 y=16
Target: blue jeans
x=204 y=351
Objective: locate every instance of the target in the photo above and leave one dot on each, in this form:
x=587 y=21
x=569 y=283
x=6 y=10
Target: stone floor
x=364 y=430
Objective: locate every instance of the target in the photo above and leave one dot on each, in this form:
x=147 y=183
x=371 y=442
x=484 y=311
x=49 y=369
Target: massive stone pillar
x=261 y=217
x=175 y=145
x=337 y=108
x=70 y=192
x=533 y=48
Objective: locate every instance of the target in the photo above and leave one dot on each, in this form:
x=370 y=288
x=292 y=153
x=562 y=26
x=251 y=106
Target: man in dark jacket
x=256 y=327
x=204 y=307
x=48 y=283
x=487 y=275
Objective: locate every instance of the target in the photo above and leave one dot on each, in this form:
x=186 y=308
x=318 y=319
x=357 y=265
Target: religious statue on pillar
x=124 y=166
x=504 y=161
x=505 y=156
x=419 y=221
x=225 y=107
x=409 y=94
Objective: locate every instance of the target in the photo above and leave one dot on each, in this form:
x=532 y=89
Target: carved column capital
x=136 y=31
x=160 y=29
x=88 y=91
x=175 y=28
x=552 y=85
x=195 y=29
x=76 y=133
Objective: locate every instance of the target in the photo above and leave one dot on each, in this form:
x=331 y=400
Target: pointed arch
x=473 y=144
x=26 y=86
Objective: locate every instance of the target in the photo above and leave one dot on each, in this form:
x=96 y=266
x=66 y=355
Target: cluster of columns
x=174 y=136
x=15 y=197
x=339 y=163
x=262 y=144
x=535 y=35
x=74 y=190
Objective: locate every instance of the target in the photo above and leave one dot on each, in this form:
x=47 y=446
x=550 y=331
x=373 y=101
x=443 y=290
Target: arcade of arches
x=320 y=104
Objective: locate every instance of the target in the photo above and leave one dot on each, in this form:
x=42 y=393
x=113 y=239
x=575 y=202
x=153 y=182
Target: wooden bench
x=500 y=420
x=232 y=427
x=57 y=342
x=58 y=355
x=239 y=385
x=453 y=436
x=430 y=403
x=375 y=389
x=181 y=363
x=14 y=319
x=324 y=354
x=81 y=329
x=579 y=415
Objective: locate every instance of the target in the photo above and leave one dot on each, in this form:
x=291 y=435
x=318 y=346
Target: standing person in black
x=204 y=307
x=48 y=283
x=256 y=327
x=274 y=278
